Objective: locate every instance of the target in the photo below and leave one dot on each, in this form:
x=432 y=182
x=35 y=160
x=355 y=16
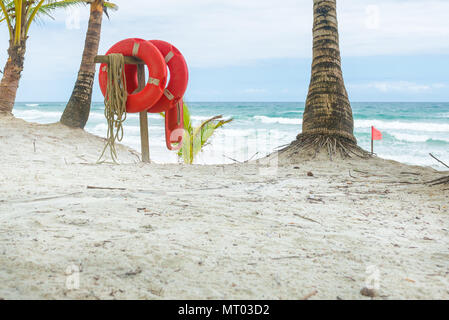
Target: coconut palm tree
x=19 y=15
x=77 y=111
x=327 y=119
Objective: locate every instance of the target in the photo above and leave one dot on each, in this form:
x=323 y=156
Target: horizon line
x=255 y=101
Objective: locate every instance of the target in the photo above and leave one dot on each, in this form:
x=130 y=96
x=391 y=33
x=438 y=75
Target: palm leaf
x=48 y=6
x=5 y=15
x=19 y=14
x=187 y=121
x=196 y=138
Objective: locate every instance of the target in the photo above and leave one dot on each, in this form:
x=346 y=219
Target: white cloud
x=398 y=86
x=404 y=27
x=221 y=33
x=72 y=20
x=233 y=32
x=236 y=32
x=254 y=91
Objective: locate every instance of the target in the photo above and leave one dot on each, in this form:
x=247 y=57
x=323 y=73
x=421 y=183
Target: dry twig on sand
x=439 y=160
x=310 y=295
x=105 y=188
x=438 y=181
x=305 y=218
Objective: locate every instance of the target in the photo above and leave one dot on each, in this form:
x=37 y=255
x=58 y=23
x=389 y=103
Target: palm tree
x=19 y=15
x=77 y=111
x=327 y=119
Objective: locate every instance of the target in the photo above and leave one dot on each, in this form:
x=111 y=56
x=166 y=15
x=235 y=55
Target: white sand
x=221 y=232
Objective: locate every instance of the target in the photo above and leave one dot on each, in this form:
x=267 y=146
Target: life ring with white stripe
x=179 y=77
x=157 y=69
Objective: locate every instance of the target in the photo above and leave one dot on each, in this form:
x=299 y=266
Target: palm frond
x=4 y=5
x=196 y=138
x=32 y=14
x=18 y=27
x=111 y=6
x=19 y=14
x=10 y=5
x=49 y=5
x=53 y=5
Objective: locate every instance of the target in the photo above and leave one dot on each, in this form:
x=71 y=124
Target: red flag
x=375 y=134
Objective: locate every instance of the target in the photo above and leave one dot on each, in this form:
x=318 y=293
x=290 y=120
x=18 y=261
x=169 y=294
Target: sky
x=255 y=50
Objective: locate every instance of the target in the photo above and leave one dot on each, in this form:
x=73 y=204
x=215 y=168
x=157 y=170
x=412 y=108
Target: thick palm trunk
x=11 y=76
x=328 y=110
x=77 y=110
x=327 y=122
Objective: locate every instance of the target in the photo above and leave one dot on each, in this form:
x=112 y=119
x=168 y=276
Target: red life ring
x=174 y=126
x=154 y=60
x=179 y=77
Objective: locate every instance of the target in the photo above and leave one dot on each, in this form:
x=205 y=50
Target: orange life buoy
x=155 y=62
x=174 y=126
x=179 y=77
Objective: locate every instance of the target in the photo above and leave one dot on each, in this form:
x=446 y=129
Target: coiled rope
x=115 y=103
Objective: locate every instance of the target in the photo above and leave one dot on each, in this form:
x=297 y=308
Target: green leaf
x=187 y=122
x=195 y=138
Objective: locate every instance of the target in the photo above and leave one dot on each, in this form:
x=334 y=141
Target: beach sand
x=212 y=232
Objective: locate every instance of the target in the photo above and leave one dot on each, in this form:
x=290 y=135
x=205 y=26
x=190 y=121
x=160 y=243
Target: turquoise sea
x=410 y=130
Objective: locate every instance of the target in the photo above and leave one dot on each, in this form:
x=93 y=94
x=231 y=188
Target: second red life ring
x=154 y=60
x=179 y=77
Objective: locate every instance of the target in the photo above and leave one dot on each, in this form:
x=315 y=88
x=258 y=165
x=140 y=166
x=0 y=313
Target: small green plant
x=195 y=138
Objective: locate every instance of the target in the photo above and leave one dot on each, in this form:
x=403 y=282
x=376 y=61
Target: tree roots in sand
x=333 y=145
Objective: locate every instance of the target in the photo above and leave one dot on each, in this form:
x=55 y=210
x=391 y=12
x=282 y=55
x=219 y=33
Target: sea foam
x=33 y=114
x=418 y=138
x=399 y=125
x=265 y=119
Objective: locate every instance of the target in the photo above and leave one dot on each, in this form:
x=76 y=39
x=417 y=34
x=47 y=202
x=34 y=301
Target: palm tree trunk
x=77 y=110
x=327 y=121
x=11 y=76
x=327 y=110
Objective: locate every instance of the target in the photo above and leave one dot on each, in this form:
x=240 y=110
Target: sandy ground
x=212 y=232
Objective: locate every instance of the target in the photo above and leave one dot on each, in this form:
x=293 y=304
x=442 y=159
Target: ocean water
x=410 y=130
